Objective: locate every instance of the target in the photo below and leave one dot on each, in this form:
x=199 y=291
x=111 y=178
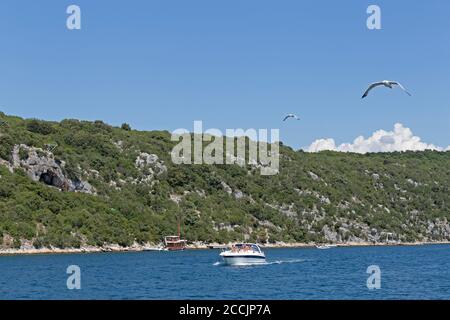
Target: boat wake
x=285 y=261
x=267 y=263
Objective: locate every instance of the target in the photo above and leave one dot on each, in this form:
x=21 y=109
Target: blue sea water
x=419 y=272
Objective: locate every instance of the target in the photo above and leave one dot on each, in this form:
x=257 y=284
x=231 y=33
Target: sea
x=349 y=273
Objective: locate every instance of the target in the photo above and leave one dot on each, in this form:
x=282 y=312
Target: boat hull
x=243 y=260
x=175 y=248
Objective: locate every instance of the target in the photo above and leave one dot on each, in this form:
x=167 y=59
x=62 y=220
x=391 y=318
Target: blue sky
x=233 y=64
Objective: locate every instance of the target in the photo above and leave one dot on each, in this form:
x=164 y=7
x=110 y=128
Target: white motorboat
x=243 y=254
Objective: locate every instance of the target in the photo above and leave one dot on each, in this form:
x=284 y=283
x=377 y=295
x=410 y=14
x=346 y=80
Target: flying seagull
x=291 y=115
x=387 y=84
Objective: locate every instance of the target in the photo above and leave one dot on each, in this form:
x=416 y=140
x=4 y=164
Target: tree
x=126 y=127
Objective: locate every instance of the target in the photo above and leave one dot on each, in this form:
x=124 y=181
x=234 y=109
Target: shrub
x=40 y=127
x=23 y=154
x=6 y=147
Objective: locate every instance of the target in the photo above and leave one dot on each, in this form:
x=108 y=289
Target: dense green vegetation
x=326 y=196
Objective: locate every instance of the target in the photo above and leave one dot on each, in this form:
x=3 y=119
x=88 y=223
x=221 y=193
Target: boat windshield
x=256 y=248
x=245 y=247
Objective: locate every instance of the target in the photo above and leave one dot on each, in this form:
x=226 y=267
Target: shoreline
x=142 y=248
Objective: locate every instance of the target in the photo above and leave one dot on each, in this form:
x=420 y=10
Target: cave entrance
x=50 y=178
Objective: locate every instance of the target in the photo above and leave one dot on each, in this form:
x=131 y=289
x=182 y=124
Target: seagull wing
x=287 y=117
x=373 y=85
x=402 y=87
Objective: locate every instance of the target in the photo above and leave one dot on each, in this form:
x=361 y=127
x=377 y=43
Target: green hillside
x=74 y=182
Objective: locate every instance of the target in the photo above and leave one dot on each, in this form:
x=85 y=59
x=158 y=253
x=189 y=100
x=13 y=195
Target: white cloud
x=401 y=139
